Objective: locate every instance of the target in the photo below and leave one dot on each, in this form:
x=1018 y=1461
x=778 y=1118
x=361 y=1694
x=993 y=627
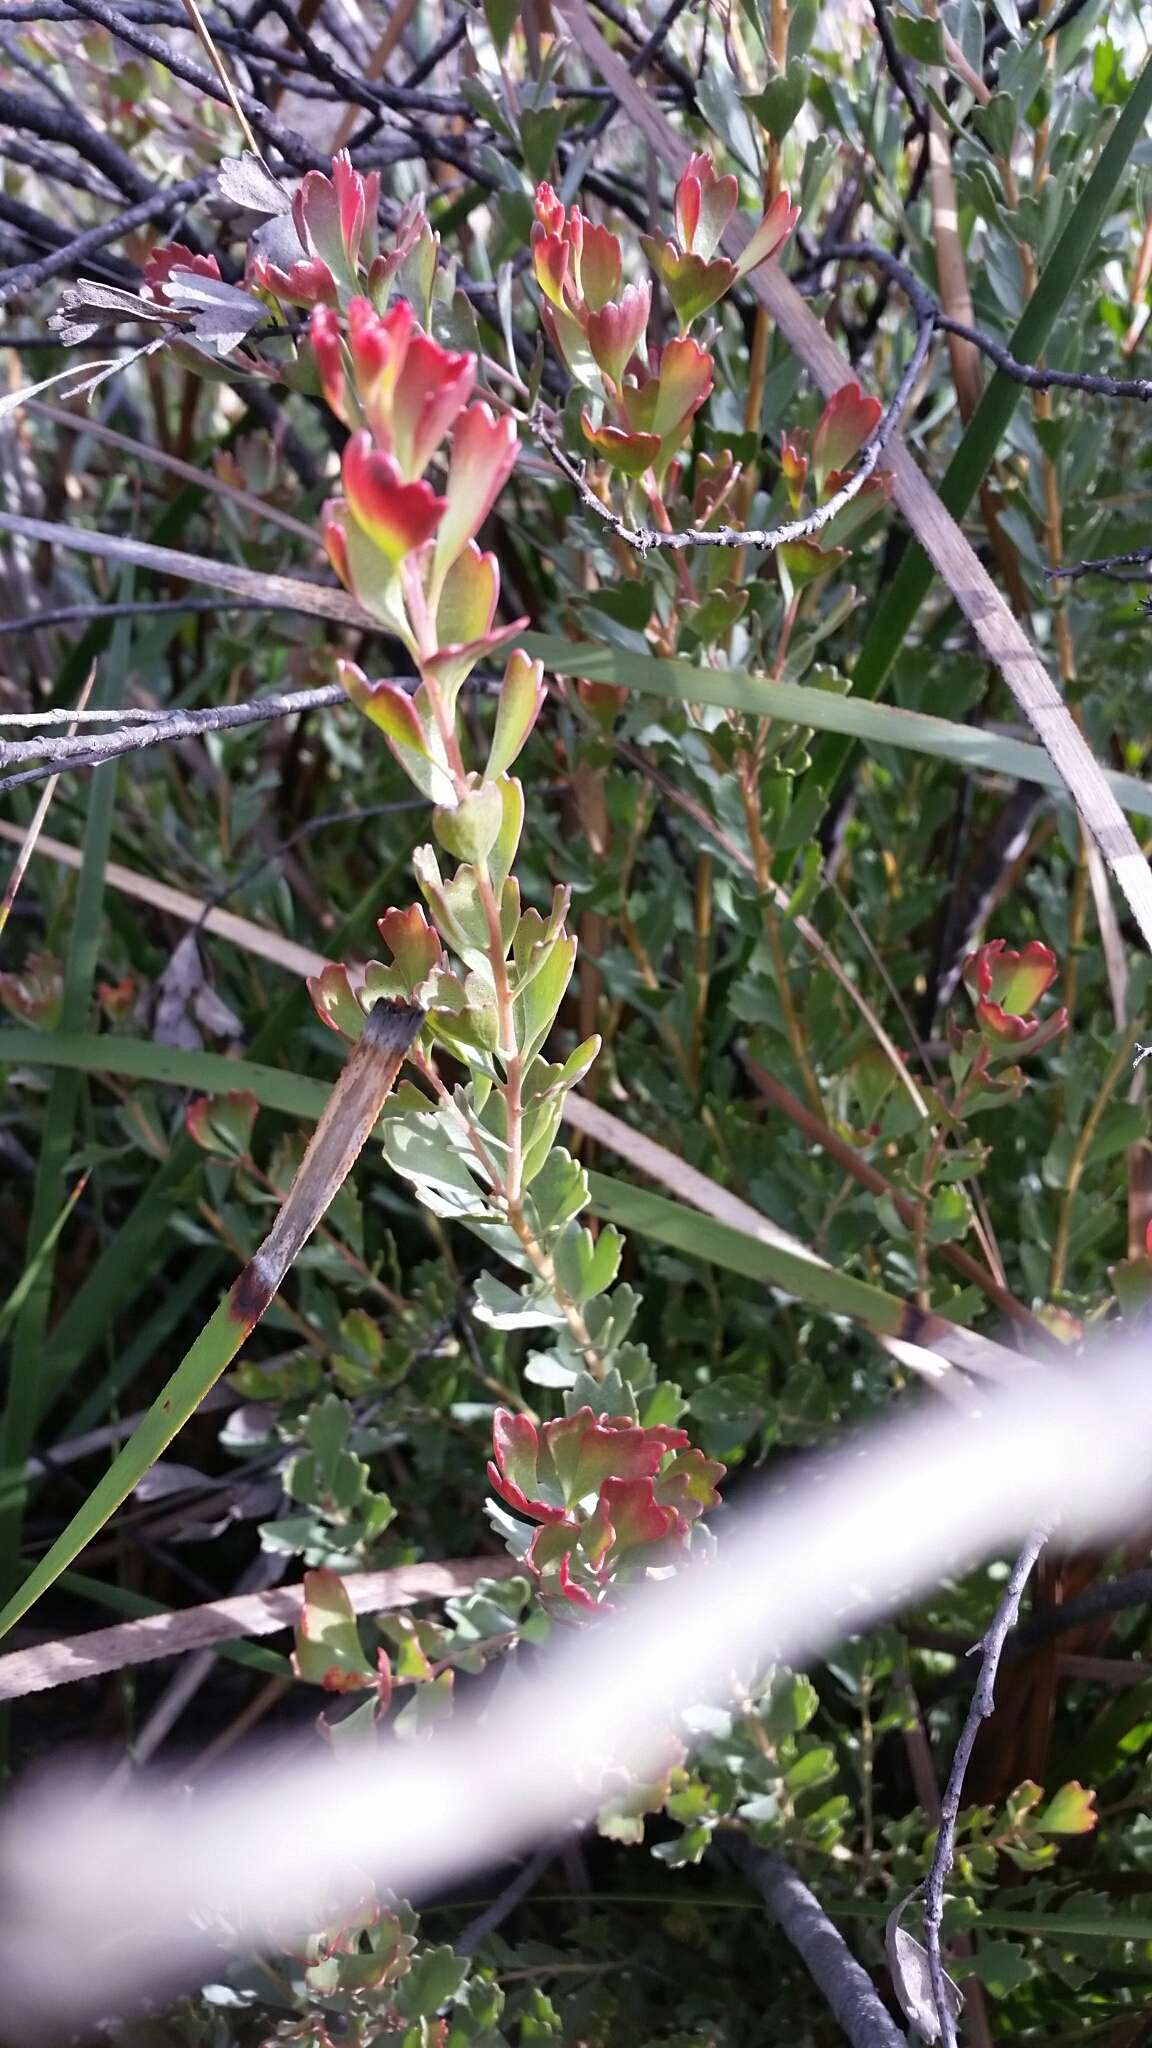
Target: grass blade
x=348 y=1118
x=881 y=725
x=758 y=1254
x=24 y=1398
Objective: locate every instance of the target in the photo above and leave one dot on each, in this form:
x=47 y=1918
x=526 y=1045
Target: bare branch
x=1103 y=565
x=983 y=1704
x=166 y=726
x=645 y=538
x=841 y=1980
x=25 y=277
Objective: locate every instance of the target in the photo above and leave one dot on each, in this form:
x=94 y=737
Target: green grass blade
x=982 y=436
x=178 y=1298
x=885 y=725
x=138 y=1059
x=30 y=1277
x=128 y=1263
x=687 y=1230
x=349 y=1113
x=24 y=1396
x=616 y=1201
x=200 y=1368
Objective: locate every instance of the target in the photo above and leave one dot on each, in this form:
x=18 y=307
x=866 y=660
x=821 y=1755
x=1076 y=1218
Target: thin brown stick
x=229 y=1621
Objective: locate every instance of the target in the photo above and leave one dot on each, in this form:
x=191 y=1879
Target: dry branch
x=100 y=1650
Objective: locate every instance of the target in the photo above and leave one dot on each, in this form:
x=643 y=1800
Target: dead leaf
x=912 y=1982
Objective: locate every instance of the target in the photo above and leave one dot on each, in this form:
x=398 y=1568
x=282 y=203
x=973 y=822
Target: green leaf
x=540 y=130
x=815 y=1767
x=434 y=1978
x=328 y=1647
x=586 y=1265
x=501 y=16
x=1070 y=1811
x=777 y=106
x=919 y=38
x=536 y=1007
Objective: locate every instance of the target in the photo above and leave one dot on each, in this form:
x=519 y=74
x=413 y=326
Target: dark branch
x=1112 y=1596
x=841 y=1980
x=26 y=276
x=927 y=307
x=54 y=123
x=1103 y=565
x=901 y=76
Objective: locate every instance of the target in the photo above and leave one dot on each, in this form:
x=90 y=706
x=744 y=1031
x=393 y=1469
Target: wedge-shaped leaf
x=559 y=1192
x=586 y=1265
x=328 y=1647
x=517 y=709
x=424 y=1147
x=536 y=1007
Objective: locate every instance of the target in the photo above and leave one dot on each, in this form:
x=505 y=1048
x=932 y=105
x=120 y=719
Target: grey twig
x=1103 y=565
x=840 y=1979
x=643 y=539
x=90 y=750
x=24 y=277
x=983 y=1704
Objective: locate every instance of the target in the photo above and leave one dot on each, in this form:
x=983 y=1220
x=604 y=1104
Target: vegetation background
x=732 y=418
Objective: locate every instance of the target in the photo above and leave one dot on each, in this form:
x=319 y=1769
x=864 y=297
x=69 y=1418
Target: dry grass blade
x=222 y=73
x=323 y=601
x=100 y=1650
x=348 y=1121
x=1002 y=639
x=223 y=924
x=918 y=1339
